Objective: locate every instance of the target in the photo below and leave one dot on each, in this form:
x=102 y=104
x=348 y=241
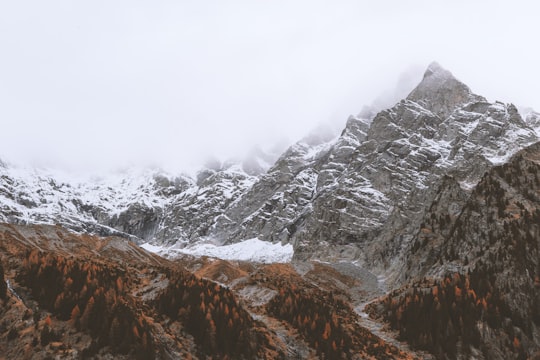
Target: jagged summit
x=435 y=69
x=441 y=93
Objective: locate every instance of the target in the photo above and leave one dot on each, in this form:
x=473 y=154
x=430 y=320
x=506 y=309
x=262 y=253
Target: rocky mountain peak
x=441 y=93
x=436 y=69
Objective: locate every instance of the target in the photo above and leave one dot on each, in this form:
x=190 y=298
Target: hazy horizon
x=90 y=86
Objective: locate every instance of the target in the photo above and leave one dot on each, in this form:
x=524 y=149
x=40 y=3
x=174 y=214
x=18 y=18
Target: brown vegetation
x=82 y=296
x=443 y=316
x=91 y=295
x=323 y=319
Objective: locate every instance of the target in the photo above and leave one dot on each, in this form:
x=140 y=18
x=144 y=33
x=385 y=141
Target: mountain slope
x=474 y=273
x=142 y=205
x=81 y=296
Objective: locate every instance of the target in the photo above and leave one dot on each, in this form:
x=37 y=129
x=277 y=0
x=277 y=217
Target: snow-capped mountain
x=360 y=195
x=92 y=205
x=363 y=195
x=423 y=215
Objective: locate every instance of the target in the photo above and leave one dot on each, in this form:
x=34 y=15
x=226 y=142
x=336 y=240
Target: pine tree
x=3 y=285
x=76 y=316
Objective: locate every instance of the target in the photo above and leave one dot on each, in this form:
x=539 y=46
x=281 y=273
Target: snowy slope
x=143 y=204
x=30 y=195
x=254 y=250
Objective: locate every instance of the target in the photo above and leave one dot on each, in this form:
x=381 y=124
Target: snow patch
x=254 y=250
x=152 y=248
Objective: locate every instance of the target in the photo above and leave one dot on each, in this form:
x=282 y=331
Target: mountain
x=363 y=195
x=140 y=204
x=358 y=196
x=423 y=215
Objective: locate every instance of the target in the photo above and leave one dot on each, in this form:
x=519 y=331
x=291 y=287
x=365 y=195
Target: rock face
x=361 y=196
x=441 y=93
x=191 y=214
x=278 y=199
x=126 y=204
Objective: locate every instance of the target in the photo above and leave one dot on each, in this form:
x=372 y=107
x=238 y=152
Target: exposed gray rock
x=272 y=206
x=441 y=93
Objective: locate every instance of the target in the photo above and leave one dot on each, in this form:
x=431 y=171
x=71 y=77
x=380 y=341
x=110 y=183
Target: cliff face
x=364 y=195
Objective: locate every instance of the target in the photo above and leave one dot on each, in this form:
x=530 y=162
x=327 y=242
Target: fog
x=100 y=84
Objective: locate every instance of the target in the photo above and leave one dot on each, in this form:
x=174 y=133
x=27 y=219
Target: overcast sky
x=93 y=84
